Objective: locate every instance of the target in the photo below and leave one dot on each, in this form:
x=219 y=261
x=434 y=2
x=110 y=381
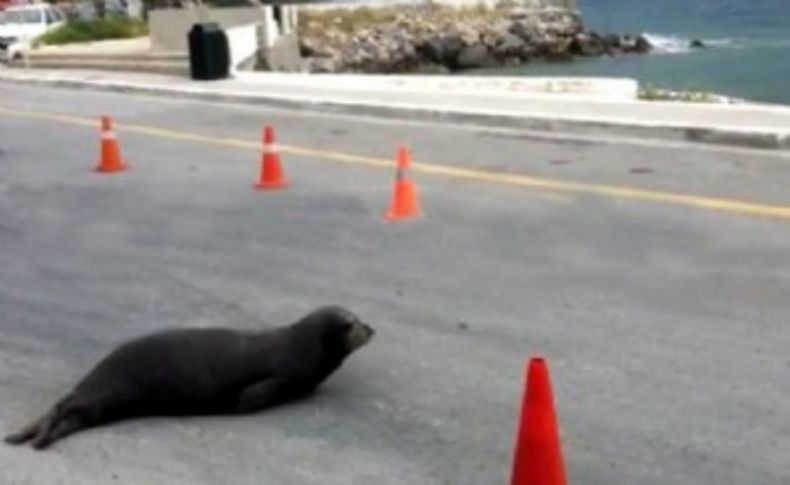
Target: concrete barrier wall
x=169 y=27
x=284 y=55
x=243 y=44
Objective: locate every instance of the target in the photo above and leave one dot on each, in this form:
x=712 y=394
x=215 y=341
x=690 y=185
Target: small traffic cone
x=404 y=198
x=110 y=160
x=272 y=177
x=538 y=456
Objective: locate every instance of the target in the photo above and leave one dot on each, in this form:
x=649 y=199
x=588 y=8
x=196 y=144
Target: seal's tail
x=28 y=432
x=56 y=424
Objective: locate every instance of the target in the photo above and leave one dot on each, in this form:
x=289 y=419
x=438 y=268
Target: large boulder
x=555 y=48
x=474 y=56
x=527 y=30
x=643 y=45
x=588 y=44
x=441 y=50
x=518 y=13
x=560 y=23
x=323 y=65
x=639 y=45
x=511 y=46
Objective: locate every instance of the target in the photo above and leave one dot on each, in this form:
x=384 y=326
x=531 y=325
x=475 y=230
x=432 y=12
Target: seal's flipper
x=30 y=431
x=263 y=394
x=59 y=428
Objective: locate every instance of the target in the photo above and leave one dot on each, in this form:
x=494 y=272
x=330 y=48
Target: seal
x=201 y=371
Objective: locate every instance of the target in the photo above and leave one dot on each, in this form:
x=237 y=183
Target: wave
x=673 y=44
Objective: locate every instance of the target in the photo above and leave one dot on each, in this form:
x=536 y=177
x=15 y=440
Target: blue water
x=750 y=56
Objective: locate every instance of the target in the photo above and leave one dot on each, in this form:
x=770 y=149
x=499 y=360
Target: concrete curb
x=752 y=138
x=602 y=89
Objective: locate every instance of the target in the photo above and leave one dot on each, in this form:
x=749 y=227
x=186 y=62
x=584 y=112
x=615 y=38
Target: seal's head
x=340 y=327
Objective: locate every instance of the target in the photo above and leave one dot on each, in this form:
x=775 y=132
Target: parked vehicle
x=20 y=25
x=4 y=4
x=86 y=10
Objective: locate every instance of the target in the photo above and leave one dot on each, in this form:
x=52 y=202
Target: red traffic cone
x=405 y=204
x=538 y=456
x=272 y=177
x=110 y=160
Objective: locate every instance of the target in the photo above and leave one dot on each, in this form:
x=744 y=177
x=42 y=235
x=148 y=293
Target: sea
x=748 y=55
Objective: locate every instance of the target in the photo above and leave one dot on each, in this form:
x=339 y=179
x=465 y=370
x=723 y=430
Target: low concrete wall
x=169 y=27
x=284 y=55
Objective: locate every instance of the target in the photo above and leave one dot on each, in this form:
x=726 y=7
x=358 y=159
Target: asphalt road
x=659 y=302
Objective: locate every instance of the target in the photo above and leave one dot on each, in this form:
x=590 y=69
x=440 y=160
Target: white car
x=21 y=25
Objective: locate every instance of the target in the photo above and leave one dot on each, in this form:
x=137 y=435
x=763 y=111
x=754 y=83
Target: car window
x=50 y=16
x=23 y=17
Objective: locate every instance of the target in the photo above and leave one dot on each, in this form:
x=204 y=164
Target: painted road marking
x=546 y=184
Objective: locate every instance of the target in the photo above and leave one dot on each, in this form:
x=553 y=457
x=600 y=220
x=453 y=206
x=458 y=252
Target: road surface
x=653 y=277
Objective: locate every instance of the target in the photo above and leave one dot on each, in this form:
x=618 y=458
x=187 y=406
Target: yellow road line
x=547 y=184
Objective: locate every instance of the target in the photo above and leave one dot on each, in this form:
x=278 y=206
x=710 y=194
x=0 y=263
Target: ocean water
x=749 y=54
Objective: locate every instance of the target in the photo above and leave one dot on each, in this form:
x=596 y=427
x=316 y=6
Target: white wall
x=243 y=44
x=169 y=27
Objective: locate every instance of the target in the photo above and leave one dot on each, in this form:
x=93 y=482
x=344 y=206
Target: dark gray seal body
x=201 y=371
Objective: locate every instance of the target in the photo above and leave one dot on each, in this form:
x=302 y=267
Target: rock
x=527 y=30
x=307 y=47
x=491 y=39
x=628 y=43
x=440 y=38
x=511 y=46
x=441 y=50
x=642 y=45
x=638 y=45
x=513 y=61
x=588 y=44
x=555 y=49
x=473 y=57
x=560 y=23
x=520 y=30
x=323 y=65
x=433 y=50
x=613 y=41
x=697 y=44
x=518 y=13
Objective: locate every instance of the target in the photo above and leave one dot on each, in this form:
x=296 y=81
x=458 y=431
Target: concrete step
x=104 y=57
x=178 y=67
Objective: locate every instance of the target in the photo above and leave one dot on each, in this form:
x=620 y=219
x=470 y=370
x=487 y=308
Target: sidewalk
x=452 y=99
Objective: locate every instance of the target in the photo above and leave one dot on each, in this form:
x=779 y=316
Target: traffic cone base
x=404 y=202
x=271 y=185
x=538 y=455
x=111 y=168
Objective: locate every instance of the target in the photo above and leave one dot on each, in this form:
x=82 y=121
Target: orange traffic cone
x=404 y=198
x=272 y=177
x=538 y=456
x=110 y=159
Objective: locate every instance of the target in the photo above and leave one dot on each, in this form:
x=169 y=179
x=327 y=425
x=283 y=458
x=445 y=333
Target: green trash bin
x=209 y=54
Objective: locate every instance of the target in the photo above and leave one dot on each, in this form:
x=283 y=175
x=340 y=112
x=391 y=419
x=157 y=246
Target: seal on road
x=196 y=371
